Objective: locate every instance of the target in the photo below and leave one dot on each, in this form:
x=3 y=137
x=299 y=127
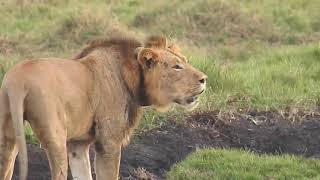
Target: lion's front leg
x=107 y=160
x=79 y=161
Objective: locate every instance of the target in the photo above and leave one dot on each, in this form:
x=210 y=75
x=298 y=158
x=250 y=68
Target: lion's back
x=48 y=81
x=45 y=73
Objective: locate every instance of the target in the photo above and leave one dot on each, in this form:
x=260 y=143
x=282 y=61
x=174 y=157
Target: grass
x=30 y=136
x=239 y=164
x=275 y=79
x=219 y=22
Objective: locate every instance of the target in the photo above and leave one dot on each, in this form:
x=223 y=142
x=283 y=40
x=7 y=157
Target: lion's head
x=168 y=77
x=155 y=73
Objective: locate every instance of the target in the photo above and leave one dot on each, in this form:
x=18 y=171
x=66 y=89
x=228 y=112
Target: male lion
x=96 y=98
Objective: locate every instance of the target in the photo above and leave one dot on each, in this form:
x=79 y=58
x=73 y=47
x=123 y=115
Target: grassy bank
x=275 y=79
x=238 y=165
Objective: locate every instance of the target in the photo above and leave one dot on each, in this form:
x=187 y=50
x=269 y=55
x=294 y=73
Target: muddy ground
x=151 y=154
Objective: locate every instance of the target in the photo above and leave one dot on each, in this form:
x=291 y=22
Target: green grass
x=277 y=78
x=213 y=164
x=30 y=136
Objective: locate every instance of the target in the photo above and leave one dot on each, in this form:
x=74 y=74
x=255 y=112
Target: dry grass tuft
x=210 y=22
x=6 y=45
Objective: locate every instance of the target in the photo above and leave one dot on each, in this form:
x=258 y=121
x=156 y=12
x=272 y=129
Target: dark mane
x=126 y=45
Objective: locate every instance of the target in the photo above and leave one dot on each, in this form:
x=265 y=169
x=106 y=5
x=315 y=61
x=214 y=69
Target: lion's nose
x=203 y=79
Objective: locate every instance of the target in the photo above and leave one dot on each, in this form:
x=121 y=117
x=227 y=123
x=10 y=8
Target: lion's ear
x=156 y=42
x=147 y=58
x=175 y=48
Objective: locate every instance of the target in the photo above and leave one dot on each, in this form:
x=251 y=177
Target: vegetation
x=277 y=78
x=213 y=164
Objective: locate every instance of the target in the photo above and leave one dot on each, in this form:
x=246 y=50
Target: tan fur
x=96 y=98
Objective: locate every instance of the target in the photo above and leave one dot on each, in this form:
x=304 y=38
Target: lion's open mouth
x=186 y=101
x=189 y=103
x=191 y=99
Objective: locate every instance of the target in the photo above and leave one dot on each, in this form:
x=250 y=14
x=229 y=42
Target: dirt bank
x=151 y=154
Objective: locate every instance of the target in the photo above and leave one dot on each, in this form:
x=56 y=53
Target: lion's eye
x=177 y=67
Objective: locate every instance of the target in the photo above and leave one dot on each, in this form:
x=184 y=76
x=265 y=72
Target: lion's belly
x=80 y=128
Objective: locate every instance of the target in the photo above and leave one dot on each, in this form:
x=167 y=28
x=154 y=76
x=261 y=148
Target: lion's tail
x=16 y=100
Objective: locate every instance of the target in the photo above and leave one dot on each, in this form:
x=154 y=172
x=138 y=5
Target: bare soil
x=151 y=154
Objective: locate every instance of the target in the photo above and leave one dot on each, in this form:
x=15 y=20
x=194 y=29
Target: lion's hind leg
x=8 y=148
x=52 y=134
x=8 y=154
x=54 y=142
